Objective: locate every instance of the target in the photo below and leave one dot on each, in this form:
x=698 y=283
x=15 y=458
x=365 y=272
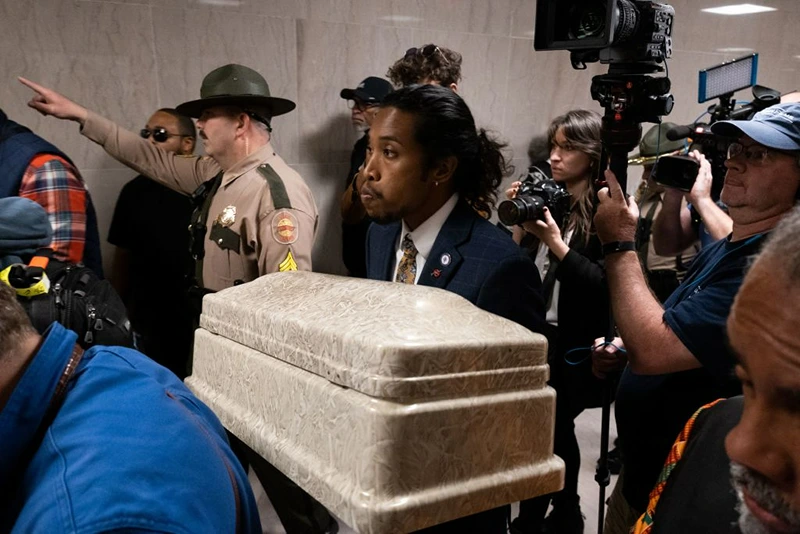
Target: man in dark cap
x=363 y=103
x=260 y=214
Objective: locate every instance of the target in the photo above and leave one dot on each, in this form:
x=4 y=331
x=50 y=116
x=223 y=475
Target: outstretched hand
x=617 y=215
x=48 y=102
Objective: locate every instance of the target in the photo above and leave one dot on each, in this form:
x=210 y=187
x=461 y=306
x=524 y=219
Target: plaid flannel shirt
x=56 y=185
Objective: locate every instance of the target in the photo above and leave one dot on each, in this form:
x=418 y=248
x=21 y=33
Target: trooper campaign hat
x=236 y=85
x=655 y=143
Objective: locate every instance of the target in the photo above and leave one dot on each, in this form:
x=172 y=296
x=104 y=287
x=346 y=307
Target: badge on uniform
x=227 y=217
x=288 y=264
x=284 y=227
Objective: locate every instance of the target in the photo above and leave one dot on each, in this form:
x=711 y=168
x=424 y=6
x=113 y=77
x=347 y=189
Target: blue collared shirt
x=130 y=448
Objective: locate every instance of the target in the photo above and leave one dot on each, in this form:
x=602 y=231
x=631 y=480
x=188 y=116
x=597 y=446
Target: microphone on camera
x=677 y=133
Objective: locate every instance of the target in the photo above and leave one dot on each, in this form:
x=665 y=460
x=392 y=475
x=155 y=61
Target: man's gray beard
x=361 y=128
x=765 y=494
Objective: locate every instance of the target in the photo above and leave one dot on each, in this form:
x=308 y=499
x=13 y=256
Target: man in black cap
x=260 y=214
x=363 y=102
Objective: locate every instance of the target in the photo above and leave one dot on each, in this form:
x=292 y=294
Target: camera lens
x=628 y=21
x=521 y=209
x=509 y=211
x=590 y=21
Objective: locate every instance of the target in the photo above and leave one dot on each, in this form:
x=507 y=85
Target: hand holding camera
x=538 y=207
x=701 y=190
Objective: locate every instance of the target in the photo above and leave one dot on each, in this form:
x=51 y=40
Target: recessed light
x=738 y=9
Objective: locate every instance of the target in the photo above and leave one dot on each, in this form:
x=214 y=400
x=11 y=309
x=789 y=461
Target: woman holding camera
x=569 y=258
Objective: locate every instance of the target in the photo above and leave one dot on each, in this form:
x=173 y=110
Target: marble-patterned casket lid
x=383 y=339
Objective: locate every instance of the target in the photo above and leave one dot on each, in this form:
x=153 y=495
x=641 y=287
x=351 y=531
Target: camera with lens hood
x=532 y=198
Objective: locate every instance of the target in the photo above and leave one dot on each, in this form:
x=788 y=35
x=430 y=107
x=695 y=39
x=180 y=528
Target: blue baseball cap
x=776 y=127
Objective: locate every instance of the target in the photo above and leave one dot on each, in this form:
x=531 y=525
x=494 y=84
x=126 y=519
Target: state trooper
x=255 y=215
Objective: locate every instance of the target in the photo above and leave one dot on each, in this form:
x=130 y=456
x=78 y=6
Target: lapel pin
x=436 y=273
x=445 y=259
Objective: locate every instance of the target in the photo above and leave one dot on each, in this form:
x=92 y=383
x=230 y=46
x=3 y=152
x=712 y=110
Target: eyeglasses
x=356 y=104
x=160 y=134
x=426 y=52
x=757 y=154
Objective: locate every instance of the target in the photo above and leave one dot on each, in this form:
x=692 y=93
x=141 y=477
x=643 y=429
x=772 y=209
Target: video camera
x=719 y=81
x=634 y=37
x=609 y=31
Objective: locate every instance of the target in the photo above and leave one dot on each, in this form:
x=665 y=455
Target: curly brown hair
x=428 y=63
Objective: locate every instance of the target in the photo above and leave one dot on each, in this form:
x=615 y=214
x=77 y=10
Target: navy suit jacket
x=486 y=267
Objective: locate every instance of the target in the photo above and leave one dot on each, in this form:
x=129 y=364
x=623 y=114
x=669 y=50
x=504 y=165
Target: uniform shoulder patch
x=284 y=227
x=288 y=264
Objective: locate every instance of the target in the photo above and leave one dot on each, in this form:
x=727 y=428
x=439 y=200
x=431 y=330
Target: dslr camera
x=531 y=200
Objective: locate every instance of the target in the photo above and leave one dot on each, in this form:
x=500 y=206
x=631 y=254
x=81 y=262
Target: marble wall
x=125 y=58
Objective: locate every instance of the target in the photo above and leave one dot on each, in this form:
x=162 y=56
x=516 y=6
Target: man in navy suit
x=429 y=182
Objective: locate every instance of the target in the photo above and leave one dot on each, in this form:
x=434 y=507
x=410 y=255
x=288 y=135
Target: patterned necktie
x=407 y=268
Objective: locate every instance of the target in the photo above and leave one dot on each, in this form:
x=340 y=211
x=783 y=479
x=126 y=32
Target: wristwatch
x=618 y=246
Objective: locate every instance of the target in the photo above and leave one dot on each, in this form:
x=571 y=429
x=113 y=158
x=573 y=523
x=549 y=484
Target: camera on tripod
x=533 y=196
x=609 y=31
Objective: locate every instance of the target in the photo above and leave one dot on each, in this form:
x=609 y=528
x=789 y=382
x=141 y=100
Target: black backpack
x=78 y=299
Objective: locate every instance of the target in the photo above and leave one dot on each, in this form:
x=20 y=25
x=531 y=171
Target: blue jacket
x=486 y=267
x=130 y=449
x=18 y=146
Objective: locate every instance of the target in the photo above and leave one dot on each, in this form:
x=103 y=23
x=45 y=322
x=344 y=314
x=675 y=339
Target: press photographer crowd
x=673 y=303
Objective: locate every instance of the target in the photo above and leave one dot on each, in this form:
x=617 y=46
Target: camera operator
x=663 y=273
x=677 y=354
x=677 y=227
x=570 y=262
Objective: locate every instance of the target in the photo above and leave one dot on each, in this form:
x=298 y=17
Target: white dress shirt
x=424 y=235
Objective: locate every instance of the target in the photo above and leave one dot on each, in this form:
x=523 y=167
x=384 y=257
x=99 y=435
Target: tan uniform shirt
x=651 y=199
x=269 y=239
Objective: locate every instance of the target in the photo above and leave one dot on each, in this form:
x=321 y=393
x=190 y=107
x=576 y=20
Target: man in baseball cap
x=677 y=358
x=363 y=102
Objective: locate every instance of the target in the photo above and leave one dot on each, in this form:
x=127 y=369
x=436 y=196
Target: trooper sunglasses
x=426 y=52
x=160 y=134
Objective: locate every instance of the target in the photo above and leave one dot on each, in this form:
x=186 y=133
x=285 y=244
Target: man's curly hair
x=442 y=66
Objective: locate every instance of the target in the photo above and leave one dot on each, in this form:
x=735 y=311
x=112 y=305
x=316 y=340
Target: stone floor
x=588 y=430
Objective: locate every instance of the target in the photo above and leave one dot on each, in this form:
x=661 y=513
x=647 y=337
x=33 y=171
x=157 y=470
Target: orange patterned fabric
x=645 y=523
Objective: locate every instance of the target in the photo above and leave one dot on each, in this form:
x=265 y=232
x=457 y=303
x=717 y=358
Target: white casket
x=397 y=407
